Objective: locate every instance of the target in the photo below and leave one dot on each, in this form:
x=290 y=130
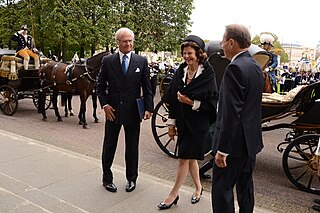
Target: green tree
x=68 y=26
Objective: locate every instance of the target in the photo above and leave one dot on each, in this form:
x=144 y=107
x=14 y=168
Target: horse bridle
x=86 y=74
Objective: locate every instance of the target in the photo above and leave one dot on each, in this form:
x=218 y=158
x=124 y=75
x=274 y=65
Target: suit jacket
x=121 y=90
x=22 y=42
x=238 y=126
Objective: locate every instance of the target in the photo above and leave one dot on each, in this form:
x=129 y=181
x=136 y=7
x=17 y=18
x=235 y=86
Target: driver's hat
x=24 y=27
x=266 y=39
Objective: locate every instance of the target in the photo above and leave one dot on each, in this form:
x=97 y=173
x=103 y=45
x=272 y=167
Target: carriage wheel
x=8 y=100
x=159 y=130
x=164 y=83
x=301 y=164
x=35 y=99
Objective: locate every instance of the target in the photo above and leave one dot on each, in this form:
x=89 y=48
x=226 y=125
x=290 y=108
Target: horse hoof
x=59 y=119
x=45 y=119
x=66 y=115
x=86 y=126
x=80 y=123
x=71 y=113
x=96 y=120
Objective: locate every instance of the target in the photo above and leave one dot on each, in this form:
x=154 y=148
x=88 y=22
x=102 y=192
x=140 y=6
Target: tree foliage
x=68 y=26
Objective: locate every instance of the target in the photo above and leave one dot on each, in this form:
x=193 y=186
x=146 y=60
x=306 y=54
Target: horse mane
x=101 y=54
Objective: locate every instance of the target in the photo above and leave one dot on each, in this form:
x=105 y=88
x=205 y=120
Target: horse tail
x=63 y=98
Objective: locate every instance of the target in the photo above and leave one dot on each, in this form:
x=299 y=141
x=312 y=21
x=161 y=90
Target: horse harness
x=70 y=70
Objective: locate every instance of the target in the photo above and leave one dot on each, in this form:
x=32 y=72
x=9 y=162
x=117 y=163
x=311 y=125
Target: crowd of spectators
x=289 y=77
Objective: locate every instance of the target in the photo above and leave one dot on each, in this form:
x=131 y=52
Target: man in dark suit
x=238 y=135
x=119 y=85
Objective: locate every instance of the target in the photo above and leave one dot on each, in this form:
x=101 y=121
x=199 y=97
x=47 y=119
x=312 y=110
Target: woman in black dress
x=191 y=98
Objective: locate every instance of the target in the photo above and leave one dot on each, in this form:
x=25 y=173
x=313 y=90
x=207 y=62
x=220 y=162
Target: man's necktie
x=124 y=64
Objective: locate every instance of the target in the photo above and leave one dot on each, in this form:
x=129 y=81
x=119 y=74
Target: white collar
x=234 y=57
x=122 y=54
x=199 y=72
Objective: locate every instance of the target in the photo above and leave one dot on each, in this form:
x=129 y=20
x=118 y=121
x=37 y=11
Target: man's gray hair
x=121 y=30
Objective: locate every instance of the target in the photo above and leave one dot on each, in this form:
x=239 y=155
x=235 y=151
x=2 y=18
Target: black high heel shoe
x=162 y=205
x=195 y=199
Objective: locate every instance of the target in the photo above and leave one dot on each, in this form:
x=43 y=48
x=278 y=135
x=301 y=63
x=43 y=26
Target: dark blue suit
x=238 y=133
x=120 y=91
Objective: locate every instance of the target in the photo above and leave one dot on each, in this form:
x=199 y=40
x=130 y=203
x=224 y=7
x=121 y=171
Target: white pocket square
x=137 y=70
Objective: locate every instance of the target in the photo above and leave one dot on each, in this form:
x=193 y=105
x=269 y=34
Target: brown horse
x=267 y=85
x=82 y=79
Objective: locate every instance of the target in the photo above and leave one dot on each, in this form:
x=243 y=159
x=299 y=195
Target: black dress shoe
x=110 y=187
x=317 y=201
x=316 y=208
x=163 y=206
x=195 y=199
x=130 y=186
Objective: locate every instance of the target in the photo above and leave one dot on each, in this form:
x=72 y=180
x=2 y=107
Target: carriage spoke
x=163 y=134
x=164 y=116
x=301 y=152
x=297 y=158
x=161 y=126
x=310 y=180
x=297 y=167
x=310 y=145
x=168 y=142
x=303 y=174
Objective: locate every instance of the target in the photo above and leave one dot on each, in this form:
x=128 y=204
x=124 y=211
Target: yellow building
x=296 y=52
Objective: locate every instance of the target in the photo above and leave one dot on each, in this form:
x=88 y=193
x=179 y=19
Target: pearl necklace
x=193 y=73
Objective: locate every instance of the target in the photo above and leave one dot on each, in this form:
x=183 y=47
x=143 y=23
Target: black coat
x=193 y=125
x=121 y=91
x=238 y=126
x=22 y=42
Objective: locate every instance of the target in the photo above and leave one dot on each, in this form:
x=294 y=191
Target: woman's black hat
x=197 y=40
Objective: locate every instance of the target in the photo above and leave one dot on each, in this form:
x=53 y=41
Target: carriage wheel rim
x=300 y=171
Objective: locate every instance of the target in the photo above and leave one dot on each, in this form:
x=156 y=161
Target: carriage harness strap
x=69 y=72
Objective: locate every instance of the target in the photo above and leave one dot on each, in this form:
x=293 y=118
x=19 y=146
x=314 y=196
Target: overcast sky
x=294 y=22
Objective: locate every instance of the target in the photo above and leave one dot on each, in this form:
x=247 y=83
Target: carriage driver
x=25 y=47
x=266 y=41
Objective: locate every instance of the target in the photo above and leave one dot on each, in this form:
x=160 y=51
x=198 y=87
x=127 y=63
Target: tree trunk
x=64 y=49
x=82 y=51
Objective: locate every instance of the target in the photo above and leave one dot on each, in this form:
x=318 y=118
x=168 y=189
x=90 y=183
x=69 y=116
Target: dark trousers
x=132 y=133
x=237 y=173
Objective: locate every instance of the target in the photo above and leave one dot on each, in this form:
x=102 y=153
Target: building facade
x=296 y=52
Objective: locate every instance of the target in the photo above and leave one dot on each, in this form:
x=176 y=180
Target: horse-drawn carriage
x=17 y=83
x=301 y=106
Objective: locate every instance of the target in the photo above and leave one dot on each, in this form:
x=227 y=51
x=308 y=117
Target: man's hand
x=220 y=160
x=172 y=131
x=108 y=111
x=147 y=115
